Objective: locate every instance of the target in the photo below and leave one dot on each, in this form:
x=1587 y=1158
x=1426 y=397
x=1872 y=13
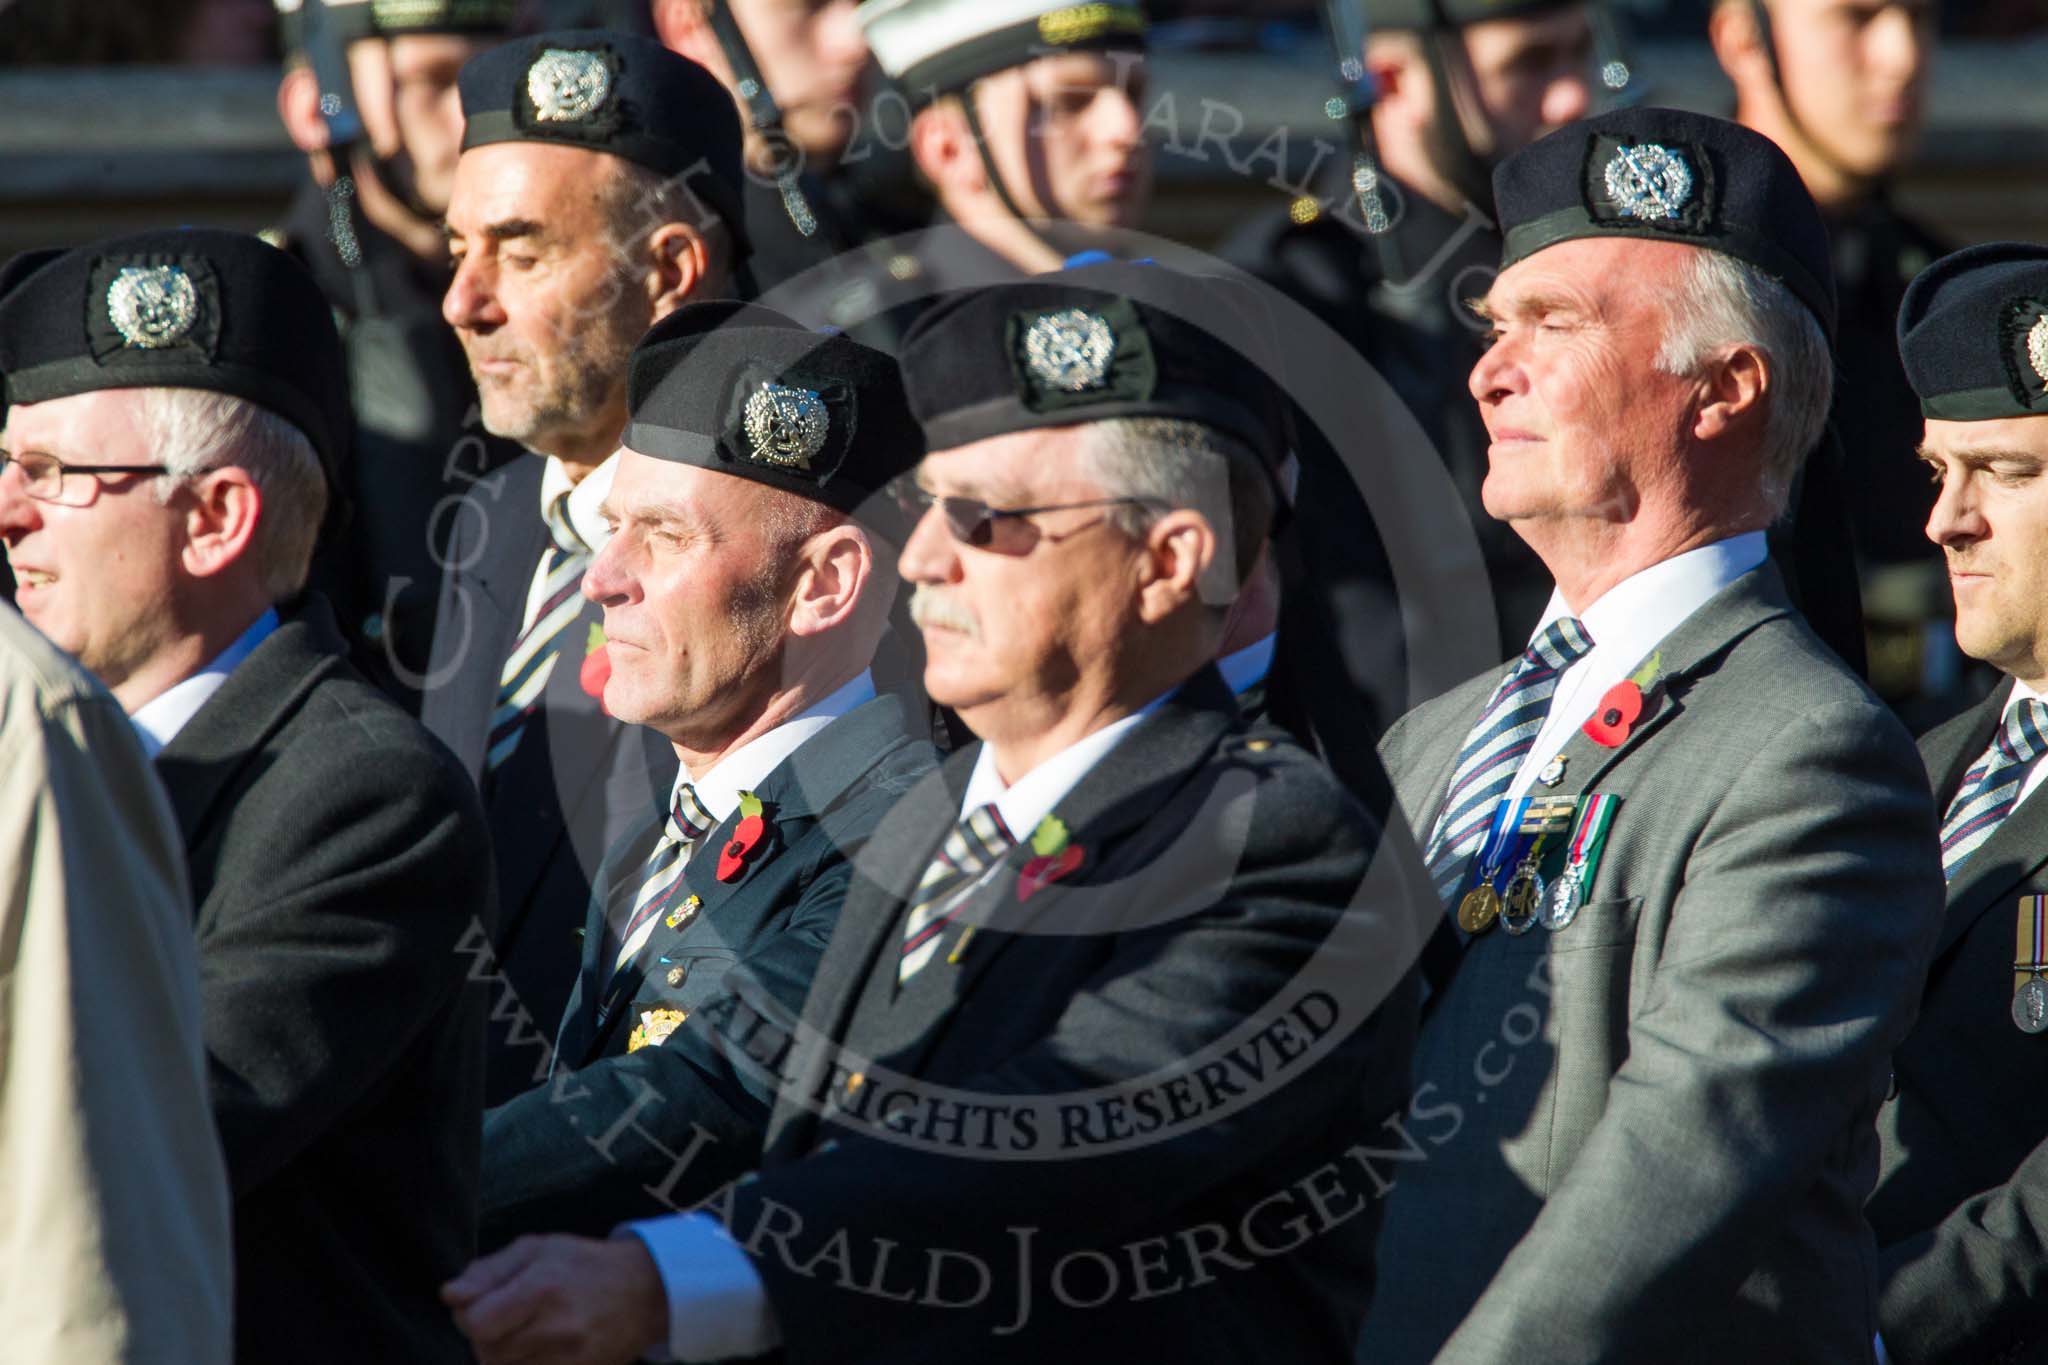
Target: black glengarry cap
x=1973 y=333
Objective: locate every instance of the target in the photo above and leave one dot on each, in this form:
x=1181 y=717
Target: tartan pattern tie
x=1992 y=786
x=688 y=822
x=525 y=675
x=973 y=846
x=1502 y=738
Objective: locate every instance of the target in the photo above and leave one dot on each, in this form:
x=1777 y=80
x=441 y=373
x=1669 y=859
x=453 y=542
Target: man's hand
x=561 y=1301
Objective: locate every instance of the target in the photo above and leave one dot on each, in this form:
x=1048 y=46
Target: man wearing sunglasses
x=745 y=587
x=177 y=410
x=1005 y=1089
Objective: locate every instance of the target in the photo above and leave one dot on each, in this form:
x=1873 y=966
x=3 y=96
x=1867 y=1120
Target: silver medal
x=1069 y=350
x=152 y=306
x=1649 y=181
x=2030 y=1006
x=1523 y=901
x=566 y=84
x=786 y=426
x=1561 y=906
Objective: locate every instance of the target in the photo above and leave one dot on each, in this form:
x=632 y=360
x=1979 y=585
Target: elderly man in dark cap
x=1686 y=861
x=1961 y=1207
x=745 y=589
x=175 y=408
x=1094 y=1064
x=595 y=195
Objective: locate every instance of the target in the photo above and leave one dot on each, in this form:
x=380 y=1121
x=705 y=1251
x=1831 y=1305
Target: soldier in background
x=367 y=224
x=1461 y=84
x=1842 y=89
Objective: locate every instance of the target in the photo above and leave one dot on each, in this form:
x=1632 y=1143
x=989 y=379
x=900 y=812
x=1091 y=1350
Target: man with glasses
x=1009 y=1127
x=176 y=413
x=749 y=577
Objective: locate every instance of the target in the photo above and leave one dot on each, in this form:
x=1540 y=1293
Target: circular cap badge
x=1649 y=181
x=152 y=306
x=786 y=426
x=1069 y=350
x=2037 y=347
x=565 y=85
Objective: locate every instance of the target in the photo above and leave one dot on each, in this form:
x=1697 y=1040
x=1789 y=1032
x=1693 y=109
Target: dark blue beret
x=610 y=92
x=1093 y=342
x=1669 y=175
x=187 y=308
x=746 y=391
x=1973 y=333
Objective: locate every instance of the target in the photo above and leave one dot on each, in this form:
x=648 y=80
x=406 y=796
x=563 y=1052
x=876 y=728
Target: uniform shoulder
x=31 y=666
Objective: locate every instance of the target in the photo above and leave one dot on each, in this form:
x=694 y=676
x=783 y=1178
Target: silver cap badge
x=2037 y=347
x=1649 y=181
x=1069 y=350
x=786 y=426
x=566 y=84
x=152 y=306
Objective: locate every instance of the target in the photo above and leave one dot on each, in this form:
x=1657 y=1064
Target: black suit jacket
x=339 y=864
x=578 y=782
x=1121 y=1061
x=1961 y=1206
x=763 y=930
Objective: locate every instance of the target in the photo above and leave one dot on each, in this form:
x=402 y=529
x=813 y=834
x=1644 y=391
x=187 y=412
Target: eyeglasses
x=48 y=479
x=1000 y=530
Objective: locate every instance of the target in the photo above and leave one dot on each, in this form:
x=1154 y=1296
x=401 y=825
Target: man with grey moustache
x=1056 y=938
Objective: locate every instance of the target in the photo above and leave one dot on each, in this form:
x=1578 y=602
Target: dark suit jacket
x=767 y=928
x=577 y=784
x=1121 y=1061
x=340 y=864
x=1649 y=1136
x=1961 y=1207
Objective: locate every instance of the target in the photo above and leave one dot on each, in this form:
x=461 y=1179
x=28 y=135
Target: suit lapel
x=205 y=758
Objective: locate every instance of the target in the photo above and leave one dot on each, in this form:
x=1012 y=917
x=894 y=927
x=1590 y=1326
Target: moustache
x=931 y=607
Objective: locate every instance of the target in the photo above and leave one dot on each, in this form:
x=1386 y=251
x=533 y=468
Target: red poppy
x=1616 y=714
x=597 y=667
x=746 y=837
x=1045 y=869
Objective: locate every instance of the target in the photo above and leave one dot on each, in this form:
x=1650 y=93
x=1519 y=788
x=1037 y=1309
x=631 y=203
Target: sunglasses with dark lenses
x=1002 y=530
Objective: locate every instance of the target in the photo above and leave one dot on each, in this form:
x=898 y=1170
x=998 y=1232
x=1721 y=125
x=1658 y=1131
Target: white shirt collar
x=1023 y=803
x=1248 y=667
x=158 y=720
x=1627 y=623
x=746 y=767
x=584 y=498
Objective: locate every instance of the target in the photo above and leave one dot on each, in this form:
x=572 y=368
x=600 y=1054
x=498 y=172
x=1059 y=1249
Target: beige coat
x=113 y=1198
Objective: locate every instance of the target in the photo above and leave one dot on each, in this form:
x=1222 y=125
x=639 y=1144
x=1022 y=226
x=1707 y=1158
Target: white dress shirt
x=1248 y=667
x=158 y=720
x=584 y=500
x=745 y=768
x=1627 y=624
x=717 y=1305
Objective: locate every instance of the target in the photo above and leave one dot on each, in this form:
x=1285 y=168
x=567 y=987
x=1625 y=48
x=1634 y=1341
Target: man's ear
x=298 y=108
x=222 y=509
x=1737 y=386
x=1179 y=548
x=684 y=27
x=1401 y=80
x=942 y=145
x=835 y=570
x=1738 y=46
x=679 y=261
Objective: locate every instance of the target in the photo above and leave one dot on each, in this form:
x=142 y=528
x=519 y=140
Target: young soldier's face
x=1067 y=135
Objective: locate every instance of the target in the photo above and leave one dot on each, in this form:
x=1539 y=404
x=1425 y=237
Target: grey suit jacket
x=1648 y=1137
x=1961 y=1208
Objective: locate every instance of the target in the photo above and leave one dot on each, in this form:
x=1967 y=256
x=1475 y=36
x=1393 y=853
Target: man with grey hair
x=176 y=406
x=1687 y=862
x=595 y=194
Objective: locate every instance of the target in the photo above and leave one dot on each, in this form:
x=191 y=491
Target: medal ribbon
x=1506 y=830
x=2031 y=948
x=1596 y=814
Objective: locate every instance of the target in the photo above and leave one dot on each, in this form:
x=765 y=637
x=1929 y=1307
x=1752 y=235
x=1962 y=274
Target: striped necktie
x=688 y=822
x=525 y=675
x=1992 y=786
x=1492 y=753
x=971 y=848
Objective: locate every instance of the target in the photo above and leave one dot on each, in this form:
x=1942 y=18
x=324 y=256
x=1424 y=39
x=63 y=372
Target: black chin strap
x=1767 y=39
x=765 y=117
x=988 y=164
